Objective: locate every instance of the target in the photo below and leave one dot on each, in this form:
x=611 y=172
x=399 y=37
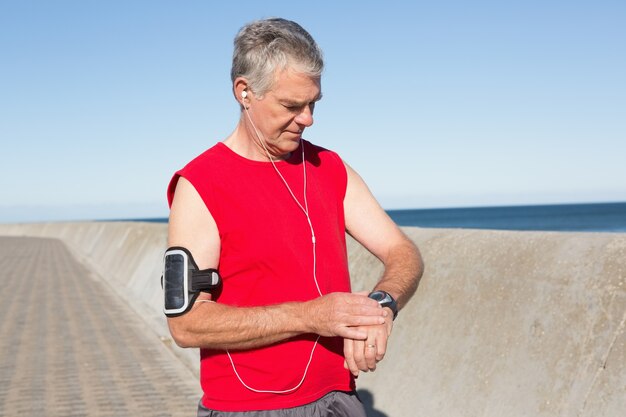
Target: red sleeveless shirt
x=267 y=258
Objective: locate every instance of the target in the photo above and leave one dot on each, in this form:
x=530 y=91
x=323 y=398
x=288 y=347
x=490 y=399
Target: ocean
x=593 y=217
x=598 y=217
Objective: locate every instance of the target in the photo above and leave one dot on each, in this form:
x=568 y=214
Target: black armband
x=183 y=281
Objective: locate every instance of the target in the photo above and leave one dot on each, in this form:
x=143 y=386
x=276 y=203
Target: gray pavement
x=70 y=347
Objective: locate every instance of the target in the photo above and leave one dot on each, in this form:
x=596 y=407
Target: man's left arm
x=370 y=225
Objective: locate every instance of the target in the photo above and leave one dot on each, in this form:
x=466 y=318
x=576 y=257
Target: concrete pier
x=503 y=324
x=69 y=347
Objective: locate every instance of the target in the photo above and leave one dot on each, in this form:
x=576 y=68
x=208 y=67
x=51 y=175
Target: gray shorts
x=335 y=404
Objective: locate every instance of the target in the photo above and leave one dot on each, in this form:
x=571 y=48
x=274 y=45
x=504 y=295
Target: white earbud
x=244 y=94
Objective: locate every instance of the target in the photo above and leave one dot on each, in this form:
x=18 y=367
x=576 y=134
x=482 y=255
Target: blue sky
x=435 y=104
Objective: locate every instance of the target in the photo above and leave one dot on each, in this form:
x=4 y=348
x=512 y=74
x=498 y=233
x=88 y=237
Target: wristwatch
x=385 y=300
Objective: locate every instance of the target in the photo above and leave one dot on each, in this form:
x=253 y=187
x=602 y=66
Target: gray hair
x=267 y=45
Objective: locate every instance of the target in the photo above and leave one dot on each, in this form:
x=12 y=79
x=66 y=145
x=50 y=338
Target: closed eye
x=298 y=108
x=293 y=108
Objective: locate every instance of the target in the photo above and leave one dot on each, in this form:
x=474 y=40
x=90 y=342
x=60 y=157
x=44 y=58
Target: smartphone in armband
x=182 y=281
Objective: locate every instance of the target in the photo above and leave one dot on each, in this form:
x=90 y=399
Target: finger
x=353 y=333
x=370 y=354
x=367 y=310
x=381 y=346
x=359 y=356
x=383 y=340
x=348 y=352
x=365 y=320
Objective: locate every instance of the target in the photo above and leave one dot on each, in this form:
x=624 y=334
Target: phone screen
x=174 y=281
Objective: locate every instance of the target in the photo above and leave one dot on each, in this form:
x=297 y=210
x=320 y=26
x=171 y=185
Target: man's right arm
x=219 y=326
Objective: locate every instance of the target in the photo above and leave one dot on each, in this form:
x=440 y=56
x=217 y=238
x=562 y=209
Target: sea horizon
x=579 y=217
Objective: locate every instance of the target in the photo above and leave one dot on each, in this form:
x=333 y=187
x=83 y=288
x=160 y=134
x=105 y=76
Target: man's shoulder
x=210 y=162
x=205 y=157
x=194 y=169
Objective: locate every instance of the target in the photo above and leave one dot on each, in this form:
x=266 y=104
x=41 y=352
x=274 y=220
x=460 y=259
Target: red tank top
x=267 y=258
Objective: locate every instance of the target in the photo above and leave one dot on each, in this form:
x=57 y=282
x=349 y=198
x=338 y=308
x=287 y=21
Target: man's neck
x=244 y=144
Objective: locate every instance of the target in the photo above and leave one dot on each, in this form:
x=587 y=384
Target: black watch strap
x=385 y=300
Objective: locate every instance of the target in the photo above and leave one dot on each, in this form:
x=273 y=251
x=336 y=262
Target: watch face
x=385 y=300
x=378 y=295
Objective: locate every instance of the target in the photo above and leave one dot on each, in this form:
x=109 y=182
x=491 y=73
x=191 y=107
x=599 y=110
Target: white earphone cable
x=305 y=210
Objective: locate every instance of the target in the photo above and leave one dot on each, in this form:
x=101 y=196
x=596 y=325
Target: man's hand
x=346 y=315
x=364 y=354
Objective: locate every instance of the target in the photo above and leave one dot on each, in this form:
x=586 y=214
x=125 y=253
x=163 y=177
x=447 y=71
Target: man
x=269 y=210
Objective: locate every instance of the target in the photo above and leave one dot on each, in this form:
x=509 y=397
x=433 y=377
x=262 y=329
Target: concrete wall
x=503 y=324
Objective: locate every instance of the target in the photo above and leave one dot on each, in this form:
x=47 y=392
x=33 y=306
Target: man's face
x=283 y=113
